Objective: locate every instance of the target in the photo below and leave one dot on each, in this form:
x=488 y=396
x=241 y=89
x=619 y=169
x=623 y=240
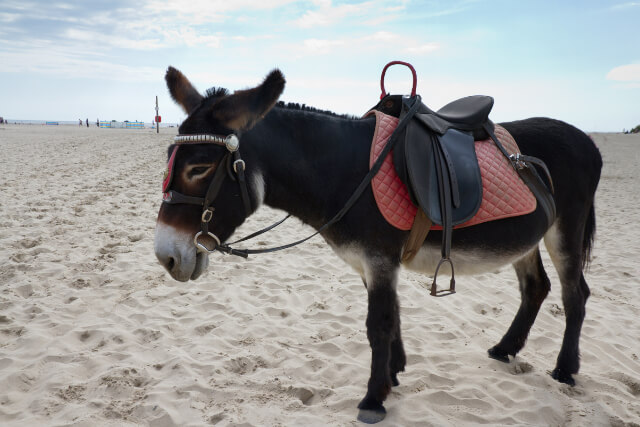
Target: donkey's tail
x=588 y=238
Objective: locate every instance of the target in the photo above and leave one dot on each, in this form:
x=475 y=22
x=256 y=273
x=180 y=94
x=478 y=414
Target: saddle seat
x=470 y=111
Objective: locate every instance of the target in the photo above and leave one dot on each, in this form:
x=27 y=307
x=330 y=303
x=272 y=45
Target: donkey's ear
x=245 y=108
x=182 y=91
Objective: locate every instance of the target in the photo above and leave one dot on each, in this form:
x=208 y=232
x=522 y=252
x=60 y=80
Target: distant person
x=87 y=122
x=97 y=123
x=79 y=122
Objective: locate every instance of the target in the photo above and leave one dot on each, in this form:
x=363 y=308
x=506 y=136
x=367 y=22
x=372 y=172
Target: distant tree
x=635 y=129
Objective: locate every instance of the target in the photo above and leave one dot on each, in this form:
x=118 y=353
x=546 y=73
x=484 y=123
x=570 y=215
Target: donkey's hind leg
x=564 y=242
x=534 y=287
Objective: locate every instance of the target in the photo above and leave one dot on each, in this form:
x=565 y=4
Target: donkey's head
x=200 y=195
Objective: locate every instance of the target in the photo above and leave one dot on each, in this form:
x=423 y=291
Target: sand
x=93 y=332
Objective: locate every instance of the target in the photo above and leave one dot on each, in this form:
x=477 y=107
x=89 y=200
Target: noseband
x=231 y=165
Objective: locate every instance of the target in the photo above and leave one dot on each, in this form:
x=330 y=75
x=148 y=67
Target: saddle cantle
x=435 y=157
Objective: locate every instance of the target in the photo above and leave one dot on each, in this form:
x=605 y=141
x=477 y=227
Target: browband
x=230 y=141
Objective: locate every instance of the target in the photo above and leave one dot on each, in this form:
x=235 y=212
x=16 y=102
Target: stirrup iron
x=452 y=284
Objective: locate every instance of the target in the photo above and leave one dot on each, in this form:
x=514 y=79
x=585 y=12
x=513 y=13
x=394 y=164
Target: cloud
x=84 y=36
x=80 y=64
x=8 y=17
x=380 y=42
x=629 y=74
x=373 y=12
x=149 y=25
x=199 y=12
x=328 y=14
x=318 y=46
x=422 y=49
x=625 y=5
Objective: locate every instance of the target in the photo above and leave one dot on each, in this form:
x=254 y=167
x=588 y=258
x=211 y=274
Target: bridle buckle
x=517 y=161
x=207 y=214
x=236 y=163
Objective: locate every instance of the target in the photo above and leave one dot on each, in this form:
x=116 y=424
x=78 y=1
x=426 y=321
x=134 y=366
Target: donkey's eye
x=196 y=172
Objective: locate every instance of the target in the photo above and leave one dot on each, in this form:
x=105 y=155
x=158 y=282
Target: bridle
x=233 y=166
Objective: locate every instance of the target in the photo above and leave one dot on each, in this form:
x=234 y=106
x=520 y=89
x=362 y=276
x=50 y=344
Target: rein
x=232 y=143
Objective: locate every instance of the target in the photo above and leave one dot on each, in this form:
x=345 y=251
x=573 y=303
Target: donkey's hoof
x=498 y=354
x=371 y=411
x=563 y=377
x=371 y=416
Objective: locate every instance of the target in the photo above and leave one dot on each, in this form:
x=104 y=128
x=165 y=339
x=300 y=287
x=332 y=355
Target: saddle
x=434 y=156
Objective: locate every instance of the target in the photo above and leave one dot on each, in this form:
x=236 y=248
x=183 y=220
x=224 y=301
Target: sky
x=577 y=61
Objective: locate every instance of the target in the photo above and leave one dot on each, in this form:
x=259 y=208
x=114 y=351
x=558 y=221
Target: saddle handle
x=413 y=71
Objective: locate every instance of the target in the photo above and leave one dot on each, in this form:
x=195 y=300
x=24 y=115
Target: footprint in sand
x=632 y=384
x=556 y=310
x=73 y=393
x=30 y=243
x=519 y=367
x=80 y=284
x=304 y=394
x=20 y=257
x=205 y=329
x=243 y=365
x=148 y=335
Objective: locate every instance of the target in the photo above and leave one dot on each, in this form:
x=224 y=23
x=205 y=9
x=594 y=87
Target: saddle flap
x=420 y=151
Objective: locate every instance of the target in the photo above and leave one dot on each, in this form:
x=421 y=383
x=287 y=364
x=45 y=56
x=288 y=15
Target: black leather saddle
x=434 y=156
x=437 y=161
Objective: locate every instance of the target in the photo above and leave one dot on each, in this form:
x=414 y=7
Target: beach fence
x=122 y=125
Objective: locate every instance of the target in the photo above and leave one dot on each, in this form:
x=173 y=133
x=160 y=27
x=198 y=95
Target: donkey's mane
x=304 y=107
x=216 y=92
x=219 y=92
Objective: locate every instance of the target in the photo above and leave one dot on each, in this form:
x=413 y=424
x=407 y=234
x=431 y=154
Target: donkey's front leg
x=383 y=324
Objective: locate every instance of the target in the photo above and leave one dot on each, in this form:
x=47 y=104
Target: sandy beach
x=94 y=332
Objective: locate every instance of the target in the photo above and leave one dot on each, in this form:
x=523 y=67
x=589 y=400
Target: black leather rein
x=232 y=143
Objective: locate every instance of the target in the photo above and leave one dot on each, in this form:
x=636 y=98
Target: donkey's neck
x=310 y=163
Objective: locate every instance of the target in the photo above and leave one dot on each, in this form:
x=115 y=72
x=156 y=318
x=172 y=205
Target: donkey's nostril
x=171 y=263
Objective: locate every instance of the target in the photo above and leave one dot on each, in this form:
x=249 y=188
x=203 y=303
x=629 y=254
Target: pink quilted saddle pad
x=504 y=194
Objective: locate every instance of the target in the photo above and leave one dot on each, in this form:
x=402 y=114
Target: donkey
x=308 y=162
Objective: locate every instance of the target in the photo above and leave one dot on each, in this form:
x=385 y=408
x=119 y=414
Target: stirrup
x=452 y=284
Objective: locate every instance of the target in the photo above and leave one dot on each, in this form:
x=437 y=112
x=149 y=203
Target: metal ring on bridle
x=202 y=246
